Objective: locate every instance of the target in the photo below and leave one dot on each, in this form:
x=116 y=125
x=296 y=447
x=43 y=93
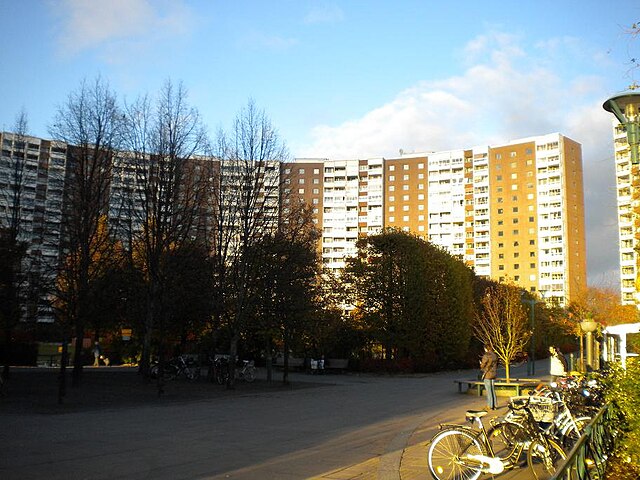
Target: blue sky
x=349 y=79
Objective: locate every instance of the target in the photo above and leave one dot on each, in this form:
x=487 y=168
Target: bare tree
x=502 y=324
x=245 y=203
x=13 y=250
x=164 y=141
x=90 y=123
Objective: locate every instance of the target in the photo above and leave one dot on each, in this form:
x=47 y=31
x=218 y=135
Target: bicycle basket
x=543 y=409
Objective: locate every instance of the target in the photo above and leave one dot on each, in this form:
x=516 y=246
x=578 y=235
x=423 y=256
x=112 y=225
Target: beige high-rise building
x=627 y=197
x=513 y=211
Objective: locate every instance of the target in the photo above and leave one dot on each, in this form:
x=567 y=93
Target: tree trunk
x=7 y=351
x=269 y=361
x=507 y=367
x=77 y=356
x=62 y=376
x=233 y=352
x=285 y=369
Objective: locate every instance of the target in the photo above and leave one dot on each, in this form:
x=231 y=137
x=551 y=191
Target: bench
x=293 y=362
x=336 y=364
x=503 y=388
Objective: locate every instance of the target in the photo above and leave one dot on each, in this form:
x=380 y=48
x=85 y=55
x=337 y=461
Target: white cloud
x=325 y=14
x=261 y=40
x=90 y=24
x=498 y=99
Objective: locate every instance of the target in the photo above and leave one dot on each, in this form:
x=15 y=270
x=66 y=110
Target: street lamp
x=626 y=108
x=588 y=326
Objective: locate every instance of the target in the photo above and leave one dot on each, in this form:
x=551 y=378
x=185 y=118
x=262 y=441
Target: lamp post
x=626 y=108
x=589 y=326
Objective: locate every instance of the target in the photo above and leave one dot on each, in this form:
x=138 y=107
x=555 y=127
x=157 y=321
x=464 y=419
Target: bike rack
x=588 y=458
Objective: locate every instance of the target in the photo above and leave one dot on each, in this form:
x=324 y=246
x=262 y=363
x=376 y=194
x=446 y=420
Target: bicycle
x=176 y=367
x=555 y=417
x=460 y=452
x=247 y=372
x=219 y=369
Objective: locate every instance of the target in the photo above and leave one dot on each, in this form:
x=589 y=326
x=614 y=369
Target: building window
x=392 y=209
x=392 y=188
x=514 y=209
x=501 y=233
x=301 y=180
x=405 y=177
x=301 y=191
x=316 y=171
x=500 y=267
x=392 y=178
x=405 y=167
x=500 y=211
x=301 y=171
x=392 y=168
x=405 y=187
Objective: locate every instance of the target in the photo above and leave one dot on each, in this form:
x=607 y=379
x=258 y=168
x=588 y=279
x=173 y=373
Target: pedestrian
x=558 y=364
x=96 y=355
x=489 y=367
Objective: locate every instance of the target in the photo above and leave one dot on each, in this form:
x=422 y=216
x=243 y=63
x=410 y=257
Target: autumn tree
x=414 y=297
x=244 y=199
x=287 y=279
x=163 y=169
x=106 y=256
x=90 y=123
x=501 y=323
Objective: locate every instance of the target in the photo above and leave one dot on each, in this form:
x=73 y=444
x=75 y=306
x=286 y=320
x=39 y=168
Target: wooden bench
x=294 y=363
x=336 y=364
x=503 y=387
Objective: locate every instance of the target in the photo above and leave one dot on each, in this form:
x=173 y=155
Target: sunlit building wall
x=513 y=211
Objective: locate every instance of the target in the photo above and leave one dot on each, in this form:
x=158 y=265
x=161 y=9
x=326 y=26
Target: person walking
x=489 y=367
x=558 y=364
x=96 y=355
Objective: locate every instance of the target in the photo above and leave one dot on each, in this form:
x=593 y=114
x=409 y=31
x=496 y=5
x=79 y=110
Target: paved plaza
x=339 y=427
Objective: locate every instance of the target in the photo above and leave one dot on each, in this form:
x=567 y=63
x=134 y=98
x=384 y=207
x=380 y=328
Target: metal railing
x=587 y=460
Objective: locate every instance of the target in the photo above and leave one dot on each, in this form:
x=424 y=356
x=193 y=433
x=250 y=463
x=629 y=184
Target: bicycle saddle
x=476 y=413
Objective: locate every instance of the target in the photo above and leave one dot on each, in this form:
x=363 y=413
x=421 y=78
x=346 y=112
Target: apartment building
x=628 y=223
x=513 y=211
x=32 y=179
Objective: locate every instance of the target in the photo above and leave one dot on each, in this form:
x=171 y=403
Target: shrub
x=622 y=388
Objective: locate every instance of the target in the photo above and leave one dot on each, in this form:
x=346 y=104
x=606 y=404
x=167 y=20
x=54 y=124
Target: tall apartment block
x=512 y=212
x=32 y=178
x=627 y=201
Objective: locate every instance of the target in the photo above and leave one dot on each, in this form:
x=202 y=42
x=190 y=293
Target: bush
x=622 y=388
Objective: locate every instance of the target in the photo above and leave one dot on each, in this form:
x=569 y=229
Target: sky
x=349 y=79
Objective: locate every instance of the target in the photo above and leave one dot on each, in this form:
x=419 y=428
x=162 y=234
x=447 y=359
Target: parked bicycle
x=460 y=452
x=176 y=367
x=219 y=369
x=554 y=417
x=247 y=372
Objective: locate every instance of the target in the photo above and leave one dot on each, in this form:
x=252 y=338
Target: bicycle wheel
x=508 y=440
x=447 y=452
x=571 y=433
x=544 y=458
x=250 y=374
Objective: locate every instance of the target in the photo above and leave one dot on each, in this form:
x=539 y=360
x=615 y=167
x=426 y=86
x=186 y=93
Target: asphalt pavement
x=340 y=427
